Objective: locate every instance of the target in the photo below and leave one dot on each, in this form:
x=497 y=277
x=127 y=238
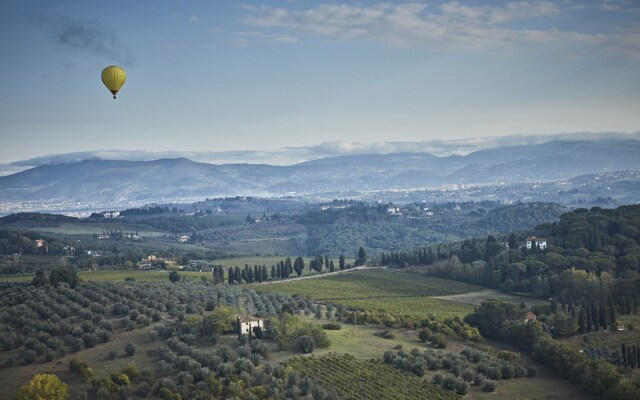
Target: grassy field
x=393 y=292
x=363 y=343
x=477 y=297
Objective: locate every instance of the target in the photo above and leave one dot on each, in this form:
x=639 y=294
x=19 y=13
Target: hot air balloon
x=113 y=78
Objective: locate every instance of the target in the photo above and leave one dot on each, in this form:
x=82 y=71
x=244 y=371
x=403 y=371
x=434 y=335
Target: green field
x=393 y=292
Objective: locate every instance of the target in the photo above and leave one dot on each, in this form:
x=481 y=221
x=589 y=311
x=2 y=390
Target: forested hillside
x=339 y=230
x=598 y=243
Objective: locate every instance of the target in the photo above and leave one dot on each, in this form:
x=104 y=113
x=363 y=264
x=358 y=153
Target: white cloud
x=452 y=25
x=293 y=155
x=246 y=38
x=194 y=19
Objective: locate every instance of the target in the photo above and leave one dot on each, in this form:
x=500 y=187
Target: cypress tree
x=603 y=317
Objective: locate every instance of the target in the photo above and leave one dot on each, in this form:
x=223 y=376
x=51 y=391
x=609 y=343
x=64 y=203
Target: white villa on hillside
x=248 y=322
x=540 y=243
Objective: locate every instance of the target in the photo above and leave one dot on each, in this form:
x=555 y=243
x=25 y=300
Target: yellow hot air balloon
x=113 y=78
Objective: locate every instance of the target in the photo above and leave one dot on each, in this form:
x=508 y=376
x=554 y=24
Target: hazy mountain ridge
x=155 y=180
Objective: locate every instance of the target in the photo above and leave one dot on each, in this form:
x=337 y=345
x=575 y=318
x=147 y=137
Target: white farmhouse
x=540 y=243
x=248 y=322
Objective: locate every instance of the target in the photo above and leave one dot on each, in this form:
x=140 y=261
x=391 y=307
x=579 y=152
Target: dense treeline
x=37 y=219
x=332 y=231
x=284 y=269
x=152 y=210
x=507 y=322
x=593 y=256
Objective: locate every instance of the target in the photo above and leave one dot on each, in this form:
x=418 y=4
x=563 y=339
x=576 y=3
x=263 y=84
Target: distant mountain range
x=163 y=180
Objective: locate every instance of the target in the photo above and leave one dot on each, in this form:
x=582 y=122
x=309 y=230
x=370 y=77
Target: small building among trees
x=246 y=323
x=540 y=243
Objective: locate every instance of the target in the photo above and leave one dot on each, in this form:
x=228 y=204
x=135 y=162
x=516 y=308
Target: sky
x=242 y=75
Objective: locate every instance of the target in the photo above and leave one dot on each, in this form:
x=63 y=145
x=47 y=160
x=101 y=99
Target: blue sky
x=235 y=75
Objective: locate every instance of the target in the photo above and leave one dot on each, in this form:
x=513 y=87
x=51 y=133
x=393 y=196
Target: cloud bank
x=293 y=155
x=449 y=26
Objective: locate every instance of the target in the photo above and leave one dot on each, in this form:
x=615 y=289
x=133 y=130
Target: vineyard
x=393 y=292
x=352 y=378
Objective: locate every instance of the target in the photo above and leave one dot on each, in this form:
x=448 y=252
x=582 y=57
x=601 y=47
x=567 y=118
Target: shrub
x=532 y=371
x=111 y=355
x=131 y=370
x=143 y=389
x=103 y=394
x=29 y=356
x=478 y=379
x=387 y=334
x=467 y=375
x=449 y=382
x=388 y=356
x=43 y=386
x=508 y=372
x=437 y=378
x=106 y=384
x=490 y=386
x=49 y=355
x=307 y=344
x=82 y=369
x=146 y=375
x=90 y=339
x=104 y=335
x=130 y=349
x=425 y=335
x=332 y=326
x=438 y=341
x=418 y=369
x=462 y=387
x=120 y=379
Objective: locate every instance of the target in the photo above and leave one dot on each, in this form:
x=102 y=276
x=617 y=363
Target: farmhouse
x=540 y=243
x=394 y=210
x=248 y=322
x=183 y=239
x=530 y=317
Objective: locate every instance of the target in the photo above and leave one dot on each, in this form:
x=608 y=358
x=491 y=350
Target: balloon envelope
x=113 y=78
